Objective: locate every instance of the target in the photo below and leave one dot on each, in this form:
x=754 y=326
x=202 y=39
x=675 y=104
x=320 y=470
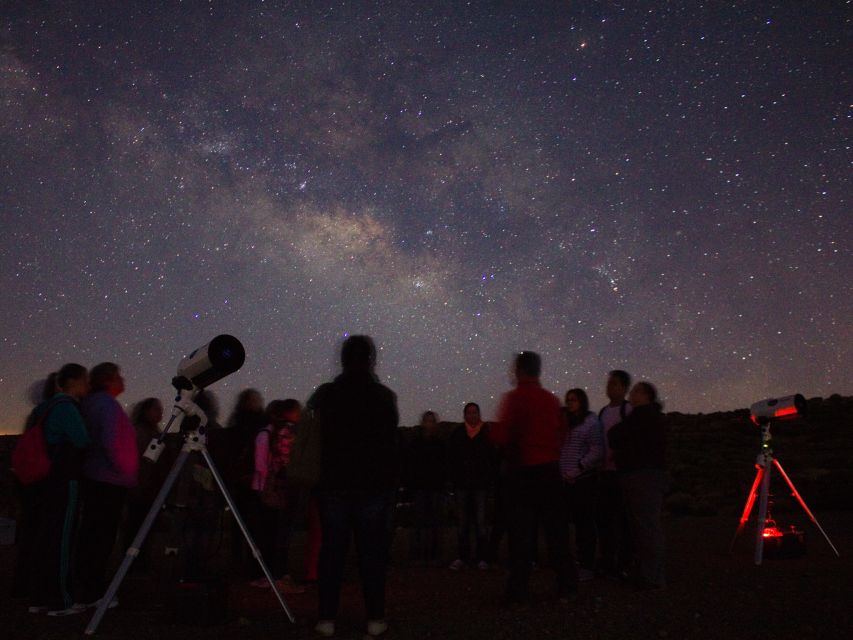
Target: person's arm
x=119 y=441
x=501 y=431
x=619 y=435
x=595 y=455
x=569 y=457
x=452 y=458
x=262 y=459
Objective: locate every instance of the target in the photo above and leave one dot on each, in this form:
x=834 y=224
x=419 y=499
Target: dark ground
x=712 y=594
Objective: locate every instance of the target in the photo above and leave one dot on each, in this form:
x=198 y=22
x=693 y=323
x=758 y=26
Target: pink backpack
x=30 y=460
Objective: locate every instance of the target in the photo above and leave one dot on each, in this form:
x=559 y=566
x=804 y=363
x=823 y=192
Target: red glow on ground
x=772 y=532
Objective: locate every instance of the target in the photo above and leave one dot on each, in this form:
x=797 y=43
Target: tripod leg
x=255 y=551
x=762 y=514
x=747 y=509
x=805 y=507
x=136 y=545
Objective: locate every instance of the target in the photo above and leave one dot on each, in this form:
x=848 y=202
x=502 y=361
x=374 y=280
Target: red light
x=785 y=411
x=772 y=532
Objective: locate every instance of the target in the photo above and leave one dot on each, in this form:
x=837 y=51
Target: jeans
x=364 y=515
x=471 y=507
x=581 y=497
x=534 y=495
x=614 y=536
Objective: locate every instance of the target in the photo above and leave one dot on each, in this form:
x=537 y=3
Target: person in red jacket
x=530 y=431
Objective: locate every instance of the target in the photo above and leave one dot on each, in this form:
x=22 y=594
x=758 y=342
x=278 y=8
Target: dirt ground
x=711 y=594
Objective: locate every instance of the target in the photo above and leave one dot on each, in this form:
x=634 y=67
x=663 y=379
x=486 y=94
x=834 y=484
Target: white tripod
x=193 y=441
x=761 y=487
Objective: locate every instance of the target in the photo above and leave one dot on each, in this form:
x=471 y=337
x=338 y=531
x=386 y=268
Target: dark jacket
x=472 y=462
x=426 y=463
x=639 y=441
x=358 y=421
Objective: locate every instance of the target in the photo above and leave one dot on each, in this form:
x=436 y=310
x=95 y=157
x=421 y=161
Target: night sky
x=659 y=187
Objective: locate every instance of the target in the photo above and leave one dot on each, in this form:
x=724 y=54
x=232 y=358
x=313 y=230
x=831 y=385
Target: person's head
x=528 y=366
x=249 y=401
x=292 y=410
x=618 y=382
x=358 y=355
x=471 y=413
x=429 y=421
x=73 y=379
x=577 y=402
x=643 y=393
x=41 y=390
x=106 y=377
x=209 y=403
x=147 y=413
x=279 y=412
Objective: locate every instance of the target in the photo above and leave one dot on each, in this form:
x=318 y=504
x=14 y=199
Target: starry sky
x=659 y=187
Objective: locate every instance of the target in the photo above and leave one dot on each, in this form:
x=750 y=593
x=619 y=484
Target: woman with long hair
x=581 y=456
x=67 y=438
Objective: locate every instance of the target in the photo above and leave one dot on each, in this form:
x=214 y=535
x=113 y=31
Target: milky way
x=659 y=187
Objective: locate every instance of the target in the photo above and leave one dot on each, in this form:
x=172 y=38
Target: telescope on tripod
x=763 y=414
x=220 y=357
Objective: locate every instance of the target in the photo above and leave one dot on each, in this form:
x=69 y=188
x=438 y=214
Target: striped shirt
x=583 y=448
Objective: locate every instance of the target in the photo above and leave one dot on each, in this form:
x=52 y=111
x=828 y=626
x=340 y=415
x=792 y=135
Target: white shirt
x=611 y=416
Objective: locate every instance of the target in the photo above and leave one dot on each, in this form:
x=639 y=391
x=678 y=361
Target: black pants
x=51 y=585
x=581 y=498
x=30 y=498
x=612 y=525
x=498 y=528
x=426 y=532
x=363 y=514
x=534 y=495
x=99 y=520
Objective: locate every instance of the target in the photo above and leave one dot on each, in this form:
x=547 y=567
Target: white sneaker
x=325 y=628
x=376 y=627
x=73 y=610
x=37 y=608
x=456 y=565
x=483 y=565
x=260 y=583
x=586 y=575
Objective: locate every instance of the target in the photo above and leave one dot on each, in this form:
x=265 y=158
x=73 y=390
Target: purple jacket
x=112 y=455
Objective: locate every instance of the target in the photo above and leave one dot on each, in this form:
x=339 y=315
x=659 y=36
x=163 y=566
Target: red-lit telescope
x=777 y=409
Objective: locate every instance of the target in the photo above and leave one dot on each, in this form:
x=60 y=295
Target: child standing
x=276 y=501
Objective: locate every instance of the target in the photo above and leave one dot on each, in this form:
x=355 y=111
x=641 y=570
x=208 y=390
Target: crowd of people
x=542 y=464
